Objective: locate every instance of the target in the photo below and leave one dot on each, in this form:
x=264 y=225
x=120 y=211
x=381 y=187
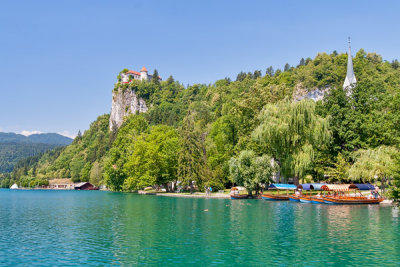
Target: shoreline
x=187 y=195
x=388 y=202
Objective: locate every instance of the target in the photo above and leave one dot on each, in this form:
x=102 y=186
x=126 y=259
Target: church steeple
x=350 y=81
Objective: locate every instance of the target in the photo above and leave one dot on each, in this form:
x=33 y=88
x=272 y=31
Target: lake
x=103 y=228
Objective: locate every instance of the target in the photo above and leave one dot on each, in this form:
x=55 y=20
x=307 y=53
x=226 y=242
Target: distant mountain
x=14 y=147
x=44 y=138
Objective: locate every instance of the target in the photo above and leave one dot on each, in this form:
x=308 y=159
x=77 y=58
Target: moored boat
x=294 y=198
x=317 y=200
x=352 y=200
x=305 y=199
x=239 y=196
x=278 y=197
x=274 y=197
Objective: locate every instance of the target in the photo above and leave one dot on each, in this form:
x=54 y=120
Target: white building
x=135 y=75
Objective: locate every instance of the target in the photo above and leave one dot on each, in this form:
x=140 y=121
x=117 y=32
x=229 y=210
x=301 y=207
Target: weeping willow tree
x=374 y=164
x=291 y=131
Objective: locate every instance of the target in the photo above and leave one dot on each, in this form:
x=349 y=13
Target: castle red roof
x=133 y=72
x=143 y=69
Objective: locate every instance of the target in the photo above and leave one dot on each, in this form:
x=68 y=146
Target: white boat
x=14 y=186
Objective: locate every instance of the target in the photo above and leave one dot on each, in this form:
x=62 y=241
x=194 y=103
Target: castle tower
x=143 y=74
x=350 y=81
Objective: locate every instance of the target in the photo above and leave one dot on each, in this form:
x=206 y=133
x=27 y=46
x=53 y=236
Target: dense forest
x=15 y=147
x=244 y=131
x=11 y=153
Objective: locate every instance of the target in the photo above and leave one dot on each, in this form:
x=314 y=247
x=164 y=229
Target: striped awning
x=338 y=187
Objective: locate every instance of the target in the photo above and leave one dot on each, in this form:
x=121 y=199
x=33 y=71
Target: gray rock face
x=300 y=93
x=125 y=102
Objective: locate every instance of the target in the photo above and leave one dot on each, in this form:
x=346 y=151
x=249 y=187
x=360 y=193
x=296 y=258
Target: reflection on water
x=69 y=228
x=395 y=212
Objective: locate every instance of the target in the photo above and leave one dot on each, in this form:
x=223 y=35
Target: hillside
x=43 y=138
x=15 y=147
x=229 y=131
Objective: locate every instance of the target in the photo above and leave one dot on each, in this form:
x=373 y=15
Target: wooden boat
x=351 y=200
x=239 y=196
x=294 y=198
x=317 y=200
x=274 y=197
x=305 y=199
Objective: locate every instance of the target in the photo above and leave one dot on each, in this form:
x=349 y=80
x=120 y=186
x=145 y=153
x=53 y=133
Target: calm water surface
x=102 y=228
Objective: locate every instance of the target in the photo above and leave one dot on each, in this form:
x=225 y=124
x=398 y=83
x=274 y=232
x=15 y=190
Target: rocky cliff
x=125 y=102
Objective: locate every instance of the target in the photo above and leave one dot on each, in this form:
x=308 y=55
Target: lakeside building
x=84 y=186
x=64 y=183
x=68 y=184
x=135 y=75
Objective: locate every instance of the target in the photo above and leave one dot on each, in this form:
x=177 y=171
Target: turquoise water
x=102 y=228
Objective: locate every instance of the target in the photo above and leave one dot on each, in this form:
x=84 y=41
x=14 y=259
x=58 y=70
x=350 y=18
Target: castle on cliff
x=125 y=102
x=135 y=75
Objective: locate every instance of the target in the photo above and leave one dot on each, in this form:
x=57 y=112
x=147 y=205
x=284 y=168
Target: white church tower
x=350 y=81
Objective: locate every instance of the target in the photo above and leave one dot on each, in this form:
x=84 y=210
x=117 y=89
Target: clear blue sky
x=59 y=59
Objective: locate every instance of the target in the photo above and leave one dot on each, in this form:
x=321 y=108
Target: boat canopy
x=282 y=186
x=305 y=187
x=365 y=186
x=338 y=187
x=310 y=186
x=317 y=186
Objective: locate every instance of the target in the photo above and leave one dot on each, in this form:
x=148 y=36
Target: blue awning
x=310 y=186
x=365 y=186
x=305 y=186
x=282 y=186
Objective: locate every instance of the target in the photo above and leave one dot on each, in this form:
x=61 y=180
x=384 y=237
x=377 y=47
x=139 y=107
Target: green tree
x=251 y=171
x=241 y=76
x=302 y=62
x=76 y=166
x=191 y=160
x=156 y=77
x=79 y=136
x=170 y=80
x=257 y=74
x=291 y=132
x=374 y=164
x=124 y=144
x=340 y=171
x=96 y=176
x=395 y=64
x=270 y=71
x=154 y=159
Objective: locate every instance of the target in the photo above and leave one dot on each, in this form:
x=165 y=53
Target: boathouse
x=84 y=186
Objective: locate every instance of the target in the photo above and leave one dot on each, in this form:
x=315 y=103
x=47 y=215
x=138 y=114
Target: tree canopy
x=208 y=126
x=291 y=132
